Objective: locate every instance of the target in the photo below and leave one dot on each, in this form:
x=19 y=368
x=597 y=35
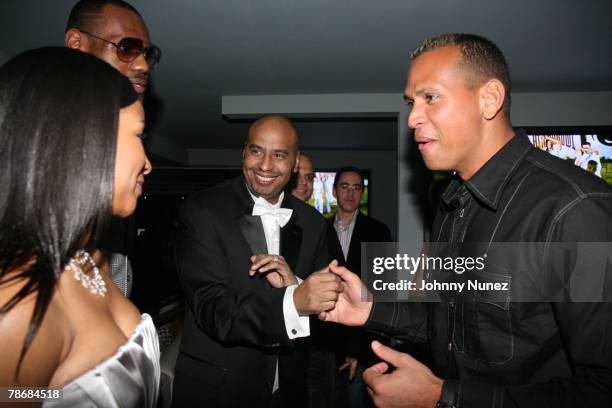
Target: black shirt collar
x=489 y=181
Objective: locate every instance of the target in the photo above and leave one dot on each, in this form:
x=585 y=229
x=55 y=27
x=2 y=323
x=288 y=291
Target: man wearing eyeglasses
x=115 y=32
x=353 y=227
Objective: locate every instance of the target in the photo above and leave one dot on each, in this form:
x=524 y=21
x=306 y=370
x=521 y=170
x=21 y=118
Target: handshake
x=334 y=293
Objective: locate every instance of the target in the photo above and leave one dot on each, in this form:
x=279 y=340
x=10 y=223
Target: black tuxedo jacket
x=234 y=324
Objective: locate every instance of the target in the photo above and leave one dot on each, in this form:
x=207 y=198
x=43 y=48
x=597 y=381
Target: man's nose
x=415 y=117
x=140 y=64
x=266 y=162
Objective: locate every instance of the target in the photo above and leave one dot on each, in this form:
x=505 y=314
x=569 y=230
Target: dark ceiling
x=273 y=47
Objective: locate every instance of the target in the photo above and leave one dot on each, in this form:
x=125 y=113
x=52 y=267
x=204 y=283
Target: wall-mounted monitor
x=588 y=149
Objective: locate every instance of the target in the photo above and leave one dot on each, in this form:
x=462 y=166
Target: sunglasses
x=128 y=49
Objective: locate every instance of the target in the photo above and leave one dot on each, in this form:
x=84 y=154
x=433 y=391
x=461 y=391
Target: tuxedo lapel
x=253 y=232
x=290 y=243
x=251 y=227
x=291 y=236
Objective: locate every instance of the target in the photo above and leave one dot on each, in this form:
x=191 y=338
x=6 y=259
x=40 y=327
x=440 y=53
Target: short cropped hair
x=347 y=169
x=482 y=59
x=85 y=15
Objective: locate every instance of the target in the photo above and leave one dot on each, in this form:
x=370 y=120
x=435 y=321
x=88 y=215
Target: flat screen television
x=322 y=193
x=588 y=149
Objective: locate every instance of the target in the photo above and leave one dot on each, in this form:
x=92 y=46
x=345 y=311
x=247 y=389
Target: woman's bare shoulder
x=78 y=331
x=45 y=351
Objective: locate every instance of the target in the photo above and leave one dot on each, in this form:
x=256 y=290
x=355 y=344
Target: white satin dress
x=130 y=378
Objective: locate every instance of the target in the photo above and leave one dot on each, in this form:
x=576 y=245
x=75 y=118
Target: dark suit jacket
x=367 y=229
x=234 y=324
x=353 y=341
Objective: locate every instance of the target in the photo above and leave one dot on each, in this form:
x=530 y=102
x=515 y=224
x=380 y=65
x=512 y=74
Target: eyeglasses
x=346 y=186
x=128 y=49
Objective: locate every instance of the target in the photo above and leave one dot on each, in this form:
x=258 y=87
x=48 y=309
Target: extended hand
x=411 y=385
x=276 y=270
x=354 y=303
x=317 y=293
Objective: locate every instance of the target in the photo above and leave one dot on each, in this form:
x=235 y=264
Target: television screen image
x=323 y=197
x=590 y=152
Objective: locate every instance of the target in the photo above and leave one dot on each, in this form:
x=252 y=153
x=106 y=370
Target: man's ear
x=75 y=39
x=297 y=162
x=492 y=96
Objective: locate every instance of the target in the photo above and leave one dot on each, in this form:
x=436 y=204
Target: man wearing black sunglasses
x=115 y=32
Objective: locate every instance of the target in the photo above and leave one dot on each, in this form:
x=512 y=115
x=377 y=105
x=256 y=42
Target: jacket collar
x=490 y=180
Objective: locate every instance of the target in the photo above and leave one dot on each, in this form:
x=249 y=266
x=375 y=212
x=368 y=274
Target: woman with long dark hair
x=70 y=158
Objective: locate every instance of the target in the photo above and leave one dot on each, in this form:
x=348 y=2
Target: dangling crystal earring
x=96 y=285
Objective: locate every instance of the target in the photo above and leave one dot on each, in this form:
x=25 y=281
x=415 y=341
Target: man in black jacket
x=532 y=342
x=352 y=228
x=323 y=390
x=115 y=32
x=246 y=256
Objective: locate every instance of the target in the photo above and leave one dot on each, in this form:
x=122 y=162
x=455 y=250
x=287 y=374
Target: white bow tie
x=281 y=215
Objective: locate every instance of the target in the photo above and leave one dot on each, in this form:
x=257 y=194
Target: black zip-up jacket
x=500 y=351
